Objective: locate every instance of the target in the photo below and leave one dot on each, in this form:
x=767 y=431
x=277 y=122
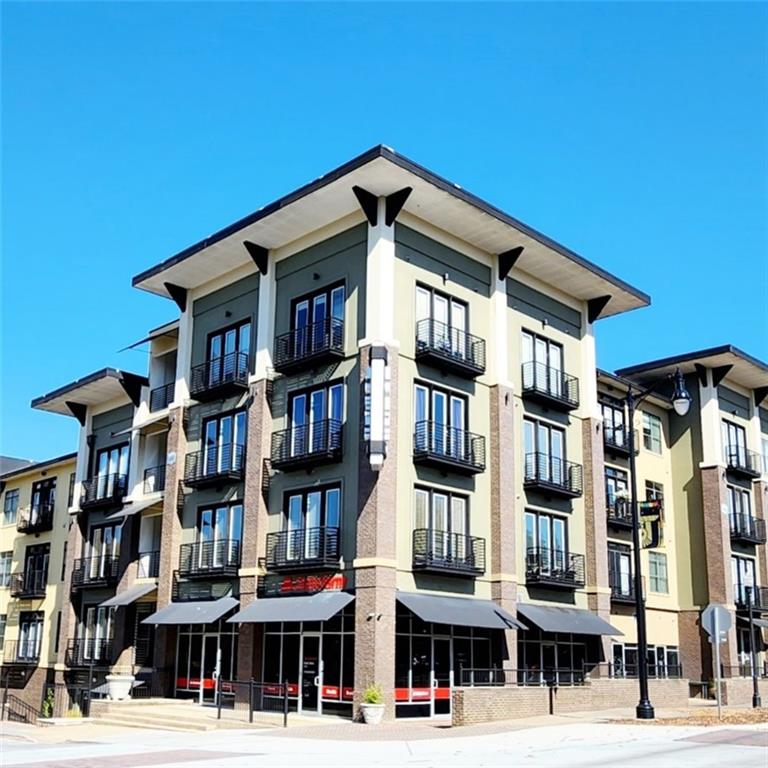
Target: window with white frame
x=765 y=455
x=5 y=568
x=441 y=322
x=662 y=661
x=316 y=417
x=444 y=517
x=542 y=364
x=652 y=432
x=734 y=438
x=739 y=501
x=3 y=622
x=312 y=521
x=544 y=448
x=743 y=579
x=440 y=421
x=657 y=572
x=654 y=491
x=10 y=506
x=30 y=635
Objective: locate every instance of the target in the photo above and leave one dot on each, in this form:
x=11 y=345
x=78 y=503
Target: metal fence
x=251 y=696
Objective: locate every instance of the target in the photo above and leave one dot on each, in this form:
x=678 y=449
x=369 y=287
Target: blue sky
x=633 y=133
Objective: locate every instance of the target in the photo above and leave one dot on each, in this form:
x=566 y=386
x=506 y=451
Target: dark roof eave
x=38 y=465
x=690 y=356
x=102 y=374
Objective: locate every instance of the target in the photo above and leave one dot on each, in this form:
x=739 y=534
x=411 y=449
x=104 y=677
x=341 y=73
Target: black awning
x=320 y=607
x=575 y=621
x=202 y=612
x=464 y=611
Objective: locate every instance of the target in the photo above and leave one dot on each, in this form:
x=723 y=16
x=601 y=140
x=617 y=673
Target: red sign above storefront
x=311 y=584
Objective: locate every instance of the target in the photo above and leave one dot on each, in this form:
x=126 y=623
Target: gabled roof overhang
x=382 y=172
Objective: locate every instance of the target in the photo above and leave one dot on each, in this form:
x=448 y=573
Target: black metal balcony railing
x=313 y=344
x=161 y=397
x=225 y=463
x=303 y=548
x=25 y=651
x=220 y=376
x=616 y=440
x=619 y=512
x=748 y=529
x=554 y=568
x=444 y=552
x=204 y=558
x=450 y=347
x=550 y=386
x=104 y=491
x=447 y=447
x=742 y=595
x=84 y=652
x=184 y=590
x=35 y=519
x=622 y=586
x=319 y=442
x=95 y=571
x=148 y=565
x=29 y=584
x=741 y=461
x=553 y=475
x=154 y=479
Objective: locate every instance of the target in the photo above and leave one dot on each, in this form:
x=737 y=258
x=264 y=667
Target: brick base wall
x=484 y=705
x=737 y=691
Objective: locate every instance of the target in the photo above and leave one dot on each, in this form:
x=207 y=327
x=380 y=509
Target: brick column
x=760 y=497
x=122 y=646
x=504 y=516
x=375 y=565
x=69 y=602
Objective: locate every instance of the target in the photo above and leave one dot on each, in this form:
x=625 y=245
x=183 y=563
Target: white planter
x=119 y=686
x=372 y=713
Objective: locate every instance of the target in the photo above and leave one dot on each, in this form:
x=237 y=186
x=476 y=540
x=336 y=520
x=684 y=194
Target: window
x=10 y=506
x=663 y=661
x=739 y=501
x=71 y=492
x=308 y=514
x=3 y=622
x=57 y=637
x=765 y=455
x=654 y=491
x=43 y=499
x=97 y=628
x=223 y=443
x=36 y=560
x=657 y=570
x=546 y=541
x=440 y=421
x=317 y=320
x=615 y=482
x=734 y=444
x=144 y=635
x=445 y=517
x=743 y=578
x=64 y=561
x=30 y=635
x=103 y=549
x=614 y=430
x=441 y=322
x=112 y=471
x=651 y=432
x=542 y=364
x=220 y=533
x=5 y=568
x=316 y=417
x=620 y=570
x=544 y=447
x=228 y=353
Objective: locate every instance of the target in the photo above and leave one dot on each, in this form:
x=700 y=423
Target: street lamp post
x=681 y=402
x=756 y=703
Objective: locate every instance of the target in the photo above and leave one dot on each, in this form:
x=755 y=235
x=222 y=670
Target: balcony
x=154 y=479
x=209 y=558
x=450 y=553
x=161 y=397
x=550 y=387
x=84 y=652
x=616 y=441
x=29 y=584
x=303 y=549
x=148 y=565
x=742 y=462
x=744 y=593
x=553 y=476
x=214 y=466
x=220 y=377
x=308 y=445
x=747 y=529
x=619 y=513
x=311 y=346
x=35 y=519
x=436 y=445
x=23 y=652
x=554 y=568
x=450 y=348
x=201 y=589
x=99 y=571
x=104 y=491
x=622 y=587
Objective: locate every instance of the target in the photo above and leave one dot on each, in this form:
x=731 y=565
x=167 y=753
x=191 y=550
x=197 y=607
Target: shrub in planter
x=372 y=706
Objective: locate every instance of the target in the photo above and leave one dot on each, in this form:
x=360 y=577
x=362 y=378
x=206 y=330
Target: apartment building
x=371 y=448
x=34 y=519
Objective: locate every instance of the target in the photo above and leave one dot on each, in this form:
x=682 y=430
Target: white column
x=380 y=282
x=81 y=468
x=712 y=450
x=588 y=376
x=265 y=322
x=183 y=355
x=754 y=433
x=499 y=336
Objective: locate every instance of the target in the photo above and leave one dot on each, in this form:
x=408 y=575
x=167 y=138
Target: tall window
x=542 y=364
x=614 y=428
x=654 y=491
x=30 y=634
x=112 y=471
x=652 y=432
x=224 y=443
x=229 y=353
x=5 y=568
x=615 y=482
x=36 y=560
x=3 y=622
x=103 y=550
x=734 y=443
x=620 y=569
x=657 y=570
x=765 y=455
x=544 y=447
x=97 y=628
x=441 y=322
x=318 y=320
x=446 y=518
x=43 y=499
x=64 y=560
x=220 y=533
x=440 y=421
x=316 y=419
x=71 y=492
x=546 y=541
x=743 y=578
x=739 y=501
x=10 y=507
x=307 y=513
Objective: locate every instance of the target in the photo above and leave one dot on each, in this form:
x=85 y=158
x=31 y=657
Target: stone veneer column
x=504 y=515
x=375 y=564
x=595 y=523
x=170 y=541
x=255 y=524
x=75 y=539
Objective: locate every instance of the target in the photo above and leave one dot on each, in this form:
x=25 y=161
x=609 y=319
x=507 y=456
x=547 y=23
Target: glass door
x=458 y=442
x=549 y=663
x=210 y=663
x=319 y=316
x=442 y=676
x=311 y=674
x=300 y=323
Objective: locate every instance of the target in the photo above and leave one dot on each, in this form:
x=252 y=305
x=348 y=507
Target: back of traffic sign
x=716 y=619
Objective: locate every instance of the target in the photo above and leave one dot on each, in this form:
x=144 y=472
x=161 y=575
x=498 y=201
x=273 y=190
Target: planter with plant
x=120 y=683
x=372 y=706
